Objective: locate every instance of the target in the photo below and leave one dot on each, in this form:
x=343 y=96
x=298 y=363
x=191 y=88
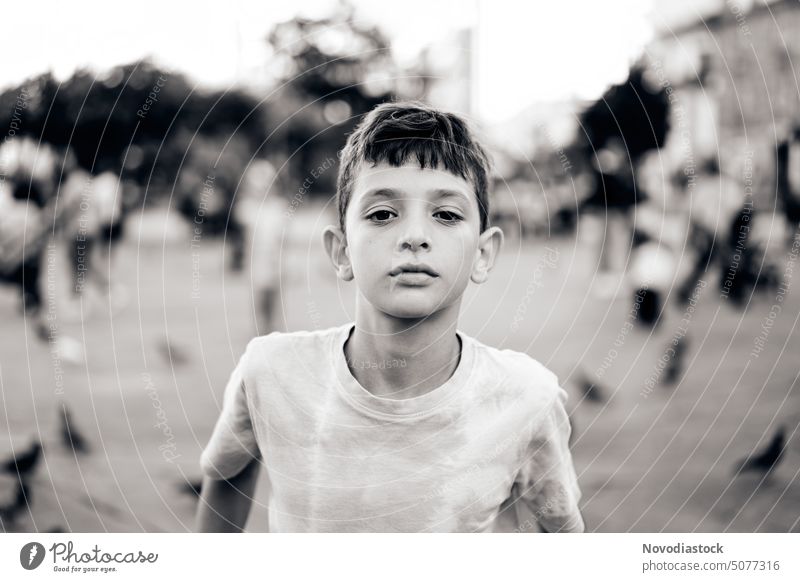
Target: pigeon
x=591 y=391
x=191 y=487
x=25 y=463
x=43 y=332
x=675 y=365
x=70 y=436
x=22 y=500
x=765 y=461
x=171 y=353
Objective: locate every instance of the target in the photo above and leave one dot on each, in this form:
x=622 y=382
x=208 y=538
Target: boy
x=398 y=422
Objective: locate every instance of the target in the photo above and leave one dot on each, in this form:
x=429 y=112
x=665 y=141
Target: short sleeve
x=233 y=443
x=547 y=482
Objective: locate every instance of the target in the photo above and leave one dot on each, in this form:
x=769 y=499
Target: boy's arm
x=225 y=503
x=547 y=481
x=230 y=461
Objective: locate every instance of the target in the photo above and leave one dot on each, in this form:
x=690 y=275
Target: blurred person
x=32 y=162
x=613 y=196
x=94 y=233
x=759 y=231
x=768 y=232
x=25 y=197
x=658 y=238
x=81 y=230
x=261 y=211
x=29 y=215
x=653 y=264
x=107 y=202
x=206 y=188
x=440 y=432
x=788 y=156
x=729 y=232
x=23 y=236
x=719 y=228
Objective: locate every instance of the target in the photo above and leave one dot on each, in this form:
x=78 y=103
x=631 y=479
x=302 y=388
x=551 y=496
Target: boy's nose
x=415 y=240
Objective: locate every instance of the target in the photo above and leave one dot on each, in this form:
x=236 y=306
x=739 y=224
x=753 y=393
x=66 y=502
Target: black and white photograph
x=399 y=267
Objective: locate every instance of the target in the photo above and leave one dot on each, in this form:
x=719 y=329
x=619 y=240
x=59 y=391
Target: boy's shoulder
x=518 y=370
x=298 y=343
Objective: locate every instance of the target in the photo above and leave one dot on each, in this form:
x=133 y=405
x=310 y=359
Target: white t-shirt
x=341 y=459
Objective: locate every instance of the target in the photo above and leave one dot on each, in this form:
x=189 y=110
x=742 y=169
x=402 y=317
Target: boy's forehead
x=409 y=178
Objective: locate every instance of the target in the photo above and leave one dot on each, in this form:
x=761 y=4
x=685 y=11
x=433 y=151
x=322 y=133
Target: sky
x=526 y=52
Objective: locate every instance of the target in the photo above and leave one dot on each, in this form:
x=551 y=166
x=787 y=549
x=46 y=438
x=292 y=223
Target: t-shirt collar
x=363 y=400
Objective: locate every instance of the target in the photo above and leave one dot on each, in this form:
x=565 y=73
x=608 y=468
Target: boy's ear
x=489 y=245
x=335 y=244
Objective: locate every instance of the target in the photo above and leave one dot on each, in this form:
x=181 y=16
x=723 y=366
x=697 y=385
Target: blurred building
x=732 y=77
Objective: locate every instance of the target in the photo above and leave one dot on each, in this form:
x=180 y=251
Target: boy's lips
x=413 y=274
x=413 y=269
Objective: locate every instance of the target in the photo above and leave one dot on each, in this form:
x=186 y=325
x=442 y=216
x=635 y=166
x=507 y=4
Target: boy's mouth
x=413 y=269
x=413 y=274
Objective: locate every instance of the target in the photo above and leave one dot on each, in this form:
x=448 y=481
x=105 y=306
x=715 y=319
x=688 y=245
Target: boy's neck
x=403 y=358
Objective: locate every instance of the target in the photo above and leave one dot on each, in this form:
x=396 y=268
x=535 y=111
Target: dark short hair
x=397 y=133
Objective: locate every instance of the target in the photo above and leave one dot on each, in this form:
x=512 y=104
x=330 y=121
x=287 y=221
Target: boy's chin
x=410 y=309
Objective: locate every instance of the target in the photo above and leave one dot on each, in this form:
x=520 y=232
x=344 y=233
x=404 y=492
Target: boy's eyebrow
x=440 y=193
x=382 y=193
x=393 y=194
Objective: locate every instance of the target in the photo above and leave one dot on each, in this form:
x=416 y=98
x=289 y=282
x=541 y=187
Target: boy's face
x=413 y=239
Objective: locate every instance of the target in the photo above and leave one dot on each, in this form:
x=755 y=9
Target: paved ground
x=648 y=460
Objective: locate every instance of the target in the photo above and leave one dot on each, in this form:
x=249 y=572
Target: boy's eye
x=381 y=215
x=447 y=216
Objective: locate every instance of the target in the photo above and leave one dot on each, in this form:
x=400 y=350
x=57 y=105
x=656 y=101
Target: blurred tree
x=633 y=112
x=329 y=72
x=627 y=121
x=140 y=121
